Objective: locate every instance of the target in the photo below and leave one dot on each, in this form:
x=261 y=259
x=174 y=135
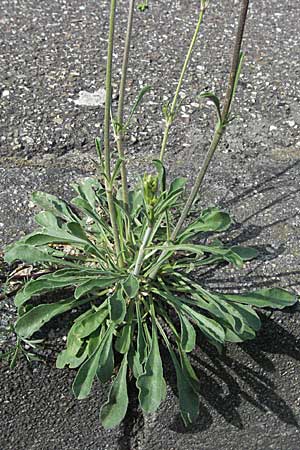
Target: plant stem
x=172 y=110
x=120 y=115
x=219 y=130
x=108 y=187
x=235 y=60
x=140 y=258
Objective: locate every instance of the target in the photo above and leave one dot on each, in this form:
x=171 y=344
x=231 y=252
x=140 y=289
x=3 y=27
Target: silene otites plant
x=124 y=259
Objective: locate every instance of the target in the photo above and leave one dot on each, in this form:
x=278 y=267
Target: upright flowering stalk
x=120 y=115
x=223 y=117
x=107 y=155
x=171 y=112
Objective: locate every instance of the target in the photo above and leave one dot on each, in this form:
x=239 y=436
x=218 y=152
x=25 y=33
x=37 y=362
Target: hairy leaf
x=55 y=205
x=84 y=379
x=151 y=385
x=188 y=334
x=114 y=410
x=117 y=306
x=131 y=286
x=106 y=362
x=94 y=284
x=265 y=298
x=36 y=317
x=188 y=397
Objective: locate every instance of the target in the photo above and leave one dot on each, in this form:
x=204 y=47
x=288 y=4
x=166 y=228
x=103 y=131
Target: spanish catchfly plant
x=131 y=272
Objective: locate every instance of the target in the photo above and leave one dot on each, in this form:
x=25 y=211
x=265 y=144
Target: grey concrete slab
x=53 y=50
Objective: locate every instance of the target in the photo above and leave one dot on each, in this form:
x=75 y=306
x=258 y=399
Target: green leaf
x=117 y=306
x=213 y=98
x=265 y=298
x=47 y=219
x=131 y=286
x=140 y=96
x=246 y=253
x=141 y=346
x=211 y=219
x=89 y=323
x=232 y=336
x=177 y=184
x=123 y=341
x=237 y=77
x=152 y=385
x=114 y=410
x=86 y=190
x=83 y=382
x=161 y=171
x=188 y=397
x=36 y=317
x=208 y=326
x=135 y=202
x=32 y=255
x=106 y=362
x=68 y=358
x=249 y=316
x=116 y=169
x=188 y=334
x=49 y=282
x=53 y=204
x=94 y=284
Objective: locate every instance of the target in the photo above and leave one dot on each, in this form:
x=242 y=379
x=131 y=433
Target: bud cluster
x=150 y=188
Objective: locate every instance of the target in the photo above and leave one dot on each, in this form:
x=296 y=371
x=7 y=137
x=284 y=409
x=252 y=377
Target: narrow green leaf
x=83 y=382
x=106 y=362
x=265 y=298
x=237 y=77
x=94 y=284
x=211 y=219
x=40 y=286
x=141 y=346
x=89 y=323
x=188 y=397
x=151 y=385
x=177 y=184
x=117 y=306
x=114 y=410
x=53 y=204
x=246 y=253
x=116 y=169
x=140 y=96
x=55 y=280
x=188 y=334
x=30 y=254
x=36 y=317
x=161 y=174
x=213 y=98
x=131 y=286
x=123 y=341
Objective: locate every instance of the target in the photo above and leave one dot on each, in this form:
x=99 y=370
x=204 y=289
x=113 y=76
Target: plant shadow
x=245 y=374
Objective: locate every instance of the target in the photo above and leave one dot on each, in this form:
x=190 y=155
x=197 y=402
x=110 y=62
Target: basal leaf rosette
x=124 y=315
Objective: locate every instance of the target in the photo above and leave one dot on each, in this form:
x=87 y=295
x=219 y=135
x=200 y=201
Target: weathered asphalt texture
x=51 y=51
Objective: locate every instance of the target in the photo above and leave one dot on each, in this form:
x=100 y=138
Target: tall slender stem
x=108 y=186
x=120 y=116
x=235 y=60
x=172 y=110
x=220 y=128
